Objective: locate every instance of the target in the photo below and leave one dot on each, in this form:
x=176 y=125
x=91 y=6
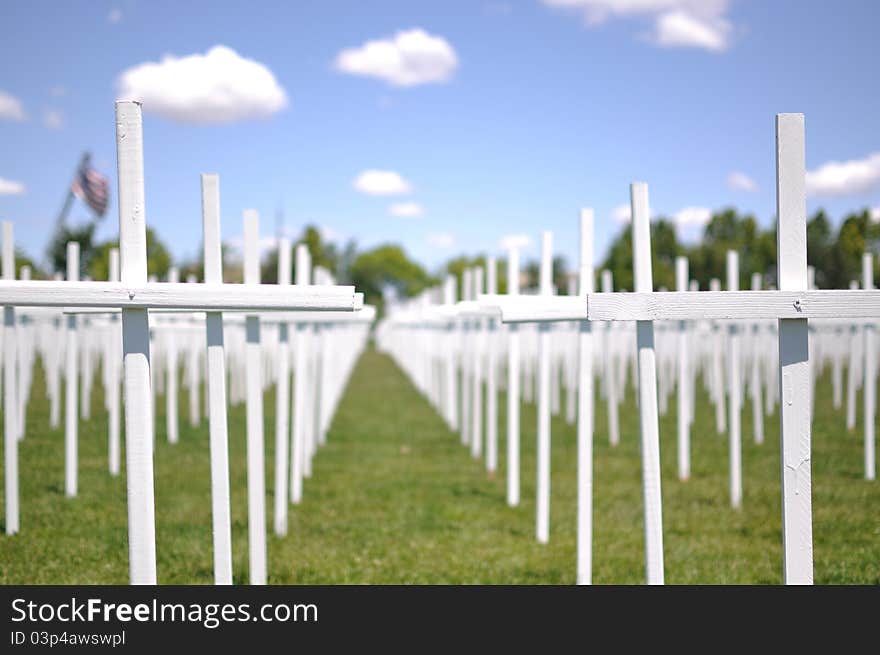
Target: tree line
x=835 y=254
x=386 y=271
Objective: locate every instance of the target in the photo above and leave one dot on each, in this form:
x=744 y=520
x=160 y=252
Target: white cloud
x=54 y=119
x=875 y=214
x=10 y=108
x=115 y=15
x=406 y=210
x=57 y=91
x=692 y=217
x=741 y=182
x=598 y=11
x=382 y=183
x=441 y=240
x=11 y=188
x=219 y=86
x=677 y=23
x=680 y=29
x=411 y=57
x=687 y=219
x=515 y=241
x=622 y=214
x=840 y=178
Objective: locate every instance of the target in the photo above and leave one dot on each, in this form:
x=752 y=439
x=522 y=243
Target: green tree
x=457 y=265
x=385 y=270
x=56 y=252
x=729 y=230
x=323 y=252
x=531 y=271
x=857 y=235
x=158 y=258
x=819 y=246
x=664 y=249
x=23 y=259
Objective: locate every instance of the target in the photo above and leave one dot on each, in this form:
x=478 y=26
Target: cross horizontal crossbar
x=365 y=314
x=183 y=296
x=688 y=305
x=695 y=305
x=534 y=309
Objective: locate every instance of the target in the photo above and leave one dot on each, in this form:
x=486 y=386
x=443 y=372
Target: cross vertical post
x=585 y=411
x=513 y=386
x=136 y=346
x=794 y=363
x=477 y=370
x=491 y=373
x=735 y=390
x=298 y=450
x=718 y=368
x=683 y=418
x=450 y=369
x=254 y=408
x=282 y=401
x=870 y=382
x=466 y=364
x=112 y=364
x=10 y=413
x=542 y=500
x=647 y=368
x=71 y=383
x=171 y=422
x=216 y=387
x=851 y=370
x=610 y=373
x=193 y=372
x=757 y=405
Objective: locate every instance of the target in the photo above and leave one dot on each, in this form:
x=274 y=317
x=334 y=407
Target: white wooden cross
x=792 y=304
x=135 y=296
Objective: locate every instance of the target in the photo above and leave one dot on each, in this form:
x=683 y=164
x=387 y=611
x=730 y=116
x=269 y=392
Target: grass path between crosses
x=395 y=498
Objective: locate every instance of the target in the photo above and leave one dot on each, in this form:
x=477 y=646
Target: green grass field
x=395 y=498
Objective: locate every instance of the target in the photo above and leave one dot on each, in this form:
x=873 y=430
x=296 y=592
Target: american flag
x=91 y=187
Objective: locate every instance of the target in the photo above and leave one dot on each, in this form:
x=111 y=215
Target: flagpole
x=68 y=200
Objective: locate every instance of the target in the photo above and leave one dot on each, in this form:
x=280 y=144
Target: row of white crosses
x=134 y=295
x=784 y=312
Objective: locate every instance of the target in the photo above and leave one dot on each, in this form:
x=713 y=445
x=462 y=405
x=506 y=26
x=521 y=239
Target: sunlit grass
x=395 y=498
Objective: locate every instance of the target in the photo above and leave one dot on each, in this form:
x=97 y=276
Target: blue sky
x=499 y=118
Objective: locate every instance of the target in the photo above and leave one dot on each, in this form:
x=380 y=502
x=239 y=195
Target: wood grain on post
x=136 y=347
x=794 y=352
x=216 y=387
x=647 y=369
